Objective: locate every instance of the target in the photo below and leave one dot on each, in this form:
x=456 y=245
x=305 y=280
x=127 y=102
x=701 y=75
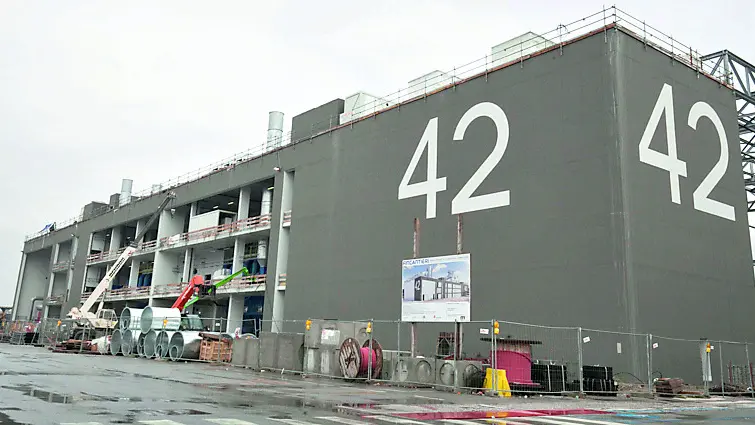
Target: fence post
x=650 y=363
x=369 y=356
x=579 y=359
x=721 y=366
x=494 y=384
x=398 y=337
x=749 y=369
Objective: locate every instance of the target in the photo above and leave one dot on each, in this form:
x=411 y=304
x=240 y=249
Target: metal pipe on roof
x=125 y=196
x=274 y=130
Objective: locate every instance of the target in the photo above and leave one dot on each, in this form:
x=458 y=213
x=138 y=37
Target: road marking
x=161 y=422
x=506 y=422
x=340 y=420
x=80 y=423
x=223 y=421
x=588 y=421
x=459 y=422
x=429 y=398
x=291 y=421
x=395 y=420
x=549 y=420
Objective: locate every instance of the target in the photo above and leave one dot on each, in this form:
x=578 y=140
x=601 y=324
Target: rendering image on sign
x=436 y=289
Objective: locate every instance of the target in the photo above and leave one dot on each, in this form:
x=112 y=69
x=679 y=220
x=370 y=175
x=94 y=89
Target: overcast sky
x=95 y=91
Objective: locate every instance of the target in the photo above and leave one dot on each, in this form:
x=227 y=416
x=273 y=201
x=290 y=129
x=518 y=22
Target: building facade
x=599 y=182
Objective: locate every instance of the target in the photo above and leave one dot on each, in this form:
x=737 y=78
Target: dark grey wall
x=546 y=258
x=317 y=120
x=590 y=238
x=36 y=275
x=690 y=273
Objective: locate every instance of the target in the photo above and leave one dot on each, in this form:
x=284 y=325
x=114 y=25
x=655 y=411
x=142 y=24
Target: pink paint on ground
x=485 y=414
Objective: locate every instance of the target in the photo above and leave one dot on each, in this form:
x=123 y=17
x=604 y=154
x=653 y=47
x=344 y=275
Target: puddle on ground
x=168 y=412
x=43 y=395
x=6 y=420
x=97 y=397
x=128 y=419
x=12 y=373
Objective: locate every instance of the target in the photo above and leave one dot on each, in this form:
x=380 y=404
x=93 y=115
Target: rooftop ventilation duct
x=361 y=104
x=428 y=83
x=518 y=47
x=125 y=198
x=274 y=130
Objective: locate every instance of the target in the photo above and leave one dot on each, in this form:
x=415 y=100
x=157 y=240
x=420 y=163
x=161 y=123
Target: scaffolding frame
x=740 y=76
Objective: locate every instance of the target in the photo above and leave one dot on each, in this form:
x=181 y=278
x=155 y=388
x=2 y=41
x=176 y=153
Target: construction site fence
x=455 y=356
x=551 y=40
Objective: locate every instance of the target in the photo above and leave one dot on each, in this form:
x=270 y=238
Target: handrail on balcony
x=61 y=265
x=209 y=232
x=105 y=255
x=54 y=299
x=176 y=288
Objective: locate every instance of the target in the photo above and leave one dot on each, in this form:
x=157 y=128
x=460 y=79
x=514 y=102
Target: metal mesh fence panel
x=538 y=358
x=680 y=358
x=615 y=357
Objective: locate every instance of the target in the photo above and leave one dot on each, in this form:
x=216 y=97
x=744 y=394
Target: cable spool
x=355 y=360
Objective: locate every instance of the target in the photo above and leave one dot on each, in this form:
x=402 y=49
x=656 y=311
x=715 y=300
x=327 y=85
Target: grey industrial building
x=596 y=231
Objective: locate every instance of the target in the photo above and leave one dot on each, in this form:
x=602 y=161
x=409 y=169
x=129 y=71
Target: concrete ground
x=41 y=387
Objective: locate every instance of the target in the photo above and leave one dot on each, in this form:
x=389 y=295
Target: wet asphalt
x=41 y=387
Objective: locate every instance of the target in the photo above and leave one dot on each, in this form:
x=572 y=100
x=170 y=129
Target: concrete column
x=116 y=237
x=140 y=225
x=245 y=195
x=133 y=277
x=165 y=262
x=282 y=253
x=53 y=260
x=51 y=281
x=235 y=313
x=238 y=255
x=265 y=208
x=188 y=260
x=213 y=327
x=21 y=269
x=69 y=275
x=193 y=209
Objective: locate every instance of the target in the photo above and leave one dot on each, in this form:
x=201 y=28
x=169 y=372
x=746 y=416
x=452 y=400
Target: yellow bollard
x=501 y=382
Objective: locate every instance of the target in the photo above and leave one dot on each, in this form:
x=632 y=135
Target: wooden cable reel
x=354 y=360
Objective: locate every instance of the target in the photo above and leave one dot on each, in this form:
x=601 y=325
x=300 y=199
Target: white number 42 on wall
x=676 y=167
x=463 y=202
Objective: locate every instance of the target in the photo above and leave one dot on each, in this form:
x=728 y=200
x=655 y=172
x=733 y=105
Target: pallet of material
x=215 y=350
x=74 y=346
x=669 y=386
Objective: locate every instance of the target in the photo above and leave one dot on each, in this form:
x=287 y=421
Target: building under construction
x=597 y=170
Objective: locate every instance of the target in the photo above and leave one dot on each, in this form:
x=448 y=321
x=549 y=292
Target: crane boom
x=188 y=298
x=121 y=261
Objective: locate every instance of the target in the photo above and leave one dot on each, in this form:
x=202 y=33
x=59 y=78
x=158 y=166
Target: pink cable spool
x=364 y=364
x=354 y=359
